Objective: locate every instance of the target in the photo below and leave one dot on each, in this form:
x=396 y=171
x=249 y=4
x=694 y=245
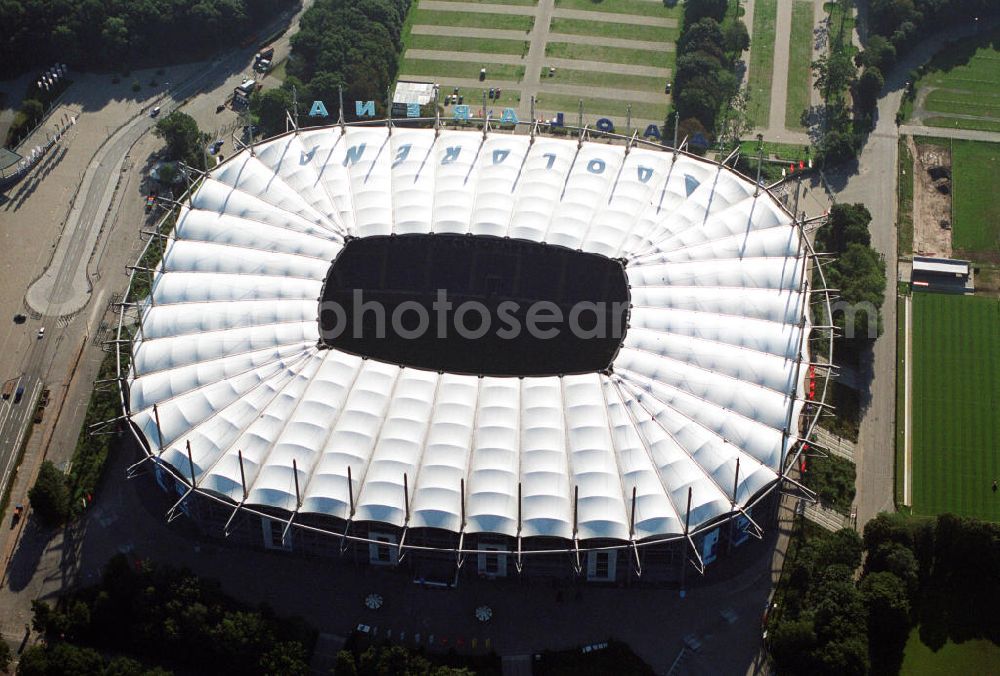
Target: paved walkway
x=475 y=8
x=779 y=75
x=613 y=17
x=946 y=132
x=828 y=441
x=484 y=33
x=601 y=41
x=829 y=519
x=514 y=60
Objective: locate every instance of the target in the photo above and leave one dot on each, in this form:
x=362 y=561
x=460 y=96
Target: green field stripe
x=956 y=388
x=606 y=79
x=596 y=107
x=608 y=29
x=644 y=57
x=472 y=20
x=460 y=69
x=959 y=123
x=975 y=167
x=799 y=59
x=637 y=7
x=523 y=3
x=765 y=14
x=460 y=44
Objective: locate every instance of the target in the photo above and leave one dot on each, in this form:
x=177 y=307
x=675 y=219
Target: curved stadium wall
x=265 y=432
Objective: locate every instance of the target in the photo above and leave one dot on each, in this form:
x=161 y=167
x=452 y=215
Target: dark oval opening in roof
x=475 y=304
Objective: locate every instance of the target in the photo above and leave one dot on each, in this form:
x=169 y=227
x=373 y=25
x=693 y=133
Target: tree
x=185 y=142
x=49 y=496
x=269 y=110
x=287 y=658
x=791 y=644
x=869 y=87
x=695 y=10
x=843 y=657
x=879 y=52
x=847 y=224
x=5 y=656
x=838 y=146
x=705 y=36
x=737 y=38
x=344 y=664
x=888 y=606
x=834 y=73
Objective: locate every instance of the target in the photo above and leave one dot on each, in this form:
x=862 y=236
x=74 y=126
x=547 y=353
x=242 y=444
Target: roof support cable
x=631 y=536
x=577 y=567
x=239 y=505
x=159 y=429
x=802 y=492
x=350 y=517
x=631 y=141
x=756 y=531
x=131 y=471
x=406 y=523
x=517 y=561
x=697 y=562
x=298 y=501
x=174 y=512
x=460 y=557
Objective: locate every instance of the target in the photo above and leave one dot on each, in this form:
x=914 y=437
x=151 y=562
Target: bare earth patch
x=931 y=204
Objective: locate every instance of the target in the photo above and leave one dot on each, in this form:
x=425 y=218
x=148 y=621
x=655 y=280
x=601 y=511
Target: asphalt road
x=65 y=288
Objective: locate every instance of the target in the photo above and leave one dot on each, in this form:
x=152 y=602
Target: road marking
x=17 y=443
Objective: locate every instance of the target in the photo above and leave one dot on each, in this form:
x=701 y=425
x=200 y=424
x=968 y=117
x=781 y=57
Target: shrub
x=49 y=496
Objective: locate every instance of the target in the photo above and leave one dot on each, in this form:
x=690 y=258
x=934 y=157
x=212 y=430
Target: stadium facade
x=268 y=434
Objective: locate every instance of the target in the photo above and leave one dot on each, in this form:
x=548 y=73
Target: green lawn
x=971 y=657
x=594 y=108
x=904 y=210
x=958 y=123
x=967 y=78
x=624 y=31
x=799 y=58
x=975 y=167
x=472 y=19
x=473 y=97
x=841 y=22
x=460 y=44
x=605 y=79
x=899 y=478
x=645 y=57
x=762 y=62
x=463 y=69
x=640 y=7
x=985 y=104
x=956 y=394
x=523 y=3
x=781 y=151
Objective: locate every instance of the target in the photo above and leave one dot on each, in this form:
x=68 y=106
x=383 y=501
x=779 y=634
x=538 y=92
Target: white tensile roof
x=706 y=375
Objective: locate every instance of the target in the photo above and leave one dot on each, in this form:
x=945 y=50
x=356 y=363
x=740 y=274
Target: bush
x=49 y=496
x=136 y=86
x=833 y=480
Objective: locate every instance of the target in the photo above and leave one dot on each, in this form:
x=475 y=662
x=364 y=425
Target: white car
x=154 y=112
x=41 y=333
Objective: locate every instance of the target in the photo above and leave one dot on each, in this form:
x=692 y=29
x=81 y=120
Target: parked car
x=154 y=112
x=219 y=108
x=41 y=333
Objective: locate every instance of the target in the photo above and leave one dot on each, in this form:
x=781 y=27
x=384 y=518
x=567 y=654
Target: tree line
x=353 y=44
x=115 y=33
x=894 y=27
x=704 y=81
x=941 y=574
x=153 y=619
x=857 y=273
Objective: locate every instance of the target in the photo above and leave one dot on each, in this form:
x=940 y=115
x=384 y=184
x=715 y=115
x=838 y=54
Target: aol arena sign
x=464 y=112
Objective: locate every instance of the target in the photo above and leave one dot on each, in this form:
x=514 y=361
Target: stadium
x=612 y=459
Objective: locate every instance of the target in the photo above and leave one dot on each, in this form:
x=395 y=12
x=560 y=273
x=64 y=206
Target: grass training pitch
x=955 y=399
